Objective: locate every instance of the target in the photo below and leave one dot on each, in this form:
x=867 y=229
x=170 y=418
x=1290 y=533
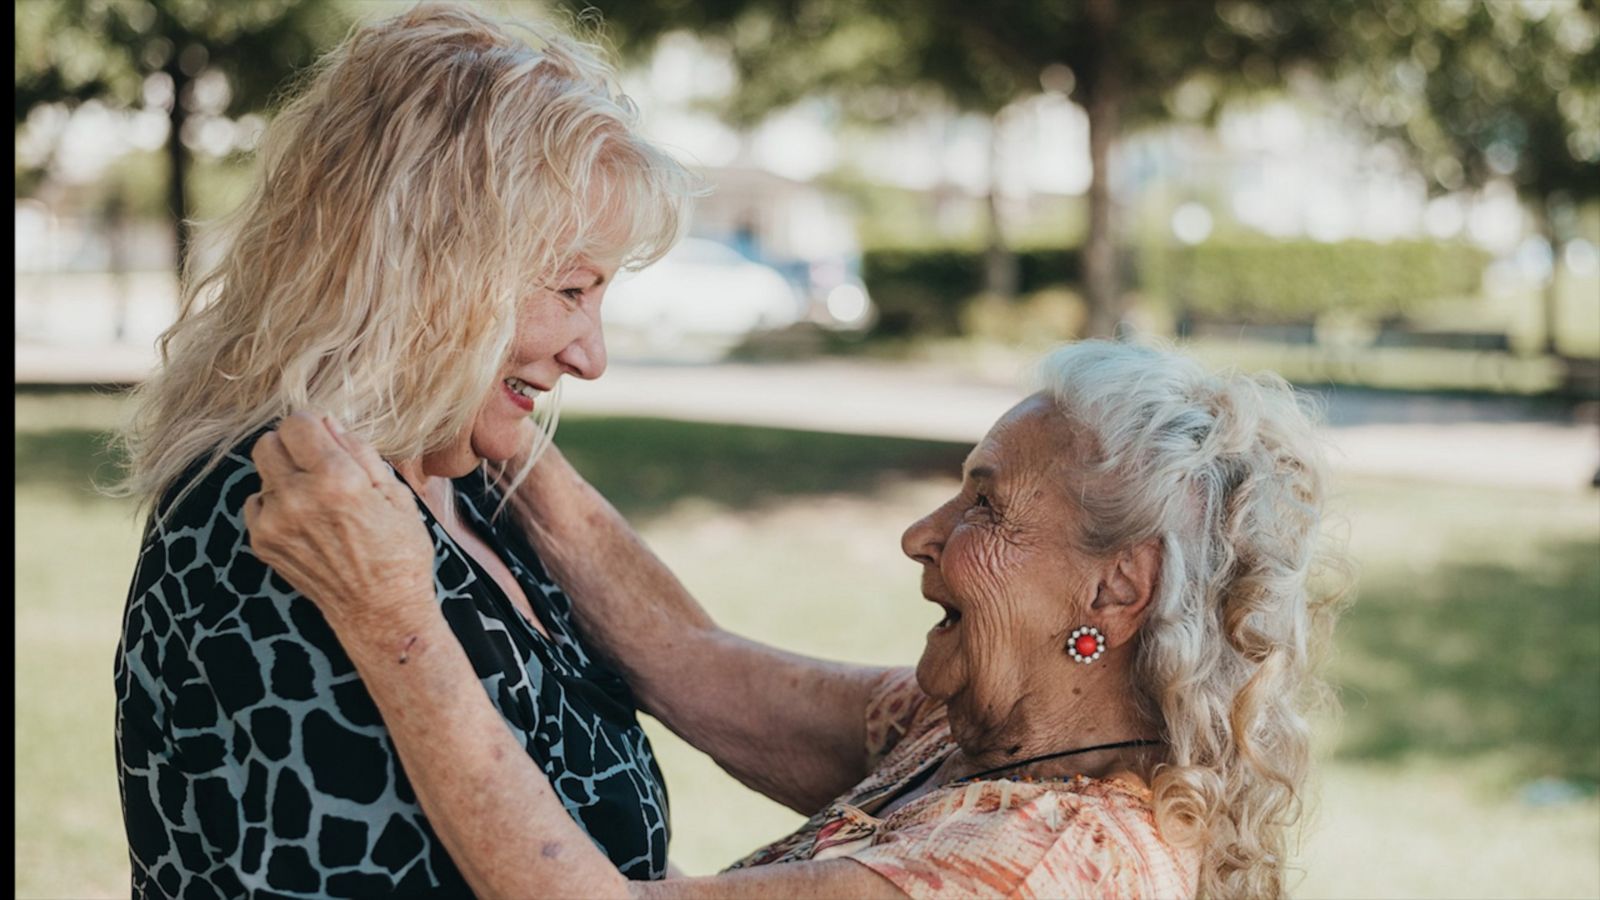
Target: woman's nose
x=585 y=357
x=924 y=540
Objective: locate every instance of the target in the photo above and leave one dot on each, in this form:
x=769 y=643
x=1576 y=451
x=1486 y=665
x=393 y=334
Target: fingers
x=308 y=441
x=365 y=455
x=315 y=444
x=252 y=514
x=272 y=459
x=254 y=529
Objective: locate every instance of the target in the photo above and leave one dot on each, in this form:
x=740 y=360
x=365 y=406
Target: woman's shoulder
x=898 y=713
x=192 y=551
x=194 y=555
x=1063 y=838
x=212 y=482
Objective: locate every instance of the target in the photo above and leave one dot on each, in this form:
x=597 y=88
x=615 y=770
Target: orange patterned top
x=992 y=838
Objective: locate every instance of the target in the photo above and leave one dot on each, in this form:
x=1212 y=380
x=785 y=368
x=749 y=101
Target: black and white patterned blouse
x=252 y=760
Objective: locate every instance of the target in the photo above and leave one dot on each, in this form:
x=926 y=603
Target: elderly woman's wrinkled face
x=1001 y=561
x=558 y=333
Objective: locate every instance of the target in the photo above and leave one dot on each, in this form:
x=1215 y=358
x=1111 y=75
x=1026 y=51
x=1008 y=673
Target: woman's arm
x=326 y=508
x=789 y=726
x=492 y=806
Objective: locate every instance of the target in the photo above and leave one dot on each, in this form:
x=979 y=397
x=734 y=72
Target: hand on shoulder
x=335 y=521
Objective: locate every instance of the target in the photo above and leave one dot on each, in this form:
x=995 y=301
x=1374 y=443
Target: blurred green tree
x=1119 y=59
x=1481 y=90
x=1474 y=88
x=126 y=53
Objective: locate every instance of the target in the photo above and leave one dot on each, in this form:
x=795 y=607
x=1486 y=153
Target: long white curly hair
x=1227 y=472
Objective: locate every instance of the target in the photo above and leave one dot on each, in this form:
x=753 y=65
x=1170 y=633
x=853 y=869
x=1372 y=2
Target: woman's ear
x=1126 y=589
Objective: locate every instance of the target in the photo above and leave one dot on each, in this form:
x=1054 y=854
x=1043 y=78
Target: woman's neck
x=1052 y=712
x=436 y=491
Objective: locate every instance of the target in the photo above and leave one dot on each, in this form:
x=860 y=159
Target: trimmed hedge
x=928 y=292
x=1295 y=281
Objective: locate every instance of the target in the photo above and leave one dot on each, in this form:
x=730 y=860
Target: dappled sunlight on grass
x=1427 y=831
x=1475 y=629
x=1467 y=663
x=1491 y=660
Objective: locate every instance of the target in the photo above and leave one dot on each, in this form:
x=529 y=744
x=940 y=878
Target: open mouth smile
x=521 y=393
x=951 y=616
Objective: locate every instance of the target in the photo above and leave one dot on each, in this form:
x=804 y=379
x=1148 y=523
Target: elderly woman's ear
x=1126 y=588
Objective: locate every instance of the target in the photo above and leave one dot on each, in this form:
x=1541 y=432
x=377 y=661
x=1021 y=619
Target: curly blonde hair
x=1226 y=472
x=433 y=171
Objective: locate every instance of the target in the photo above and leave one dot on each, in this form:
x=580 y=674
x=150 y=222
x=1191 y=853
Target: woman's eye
x=982 y=502
x=574 y=295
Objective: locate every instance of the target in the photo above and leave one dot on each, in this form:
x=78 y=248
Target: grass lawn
x=1469 y=666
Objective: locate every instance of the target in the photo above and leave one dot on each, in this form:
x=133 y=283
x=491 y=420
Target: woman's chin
x=505 y=444
x=936 y=673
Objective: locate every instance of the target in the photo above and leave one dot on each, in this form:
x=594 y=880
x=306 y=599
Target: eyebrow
x=981 y=473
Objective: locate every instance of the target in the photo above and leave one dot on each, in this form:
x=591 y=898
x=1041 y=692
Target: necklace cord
x=1034 y=759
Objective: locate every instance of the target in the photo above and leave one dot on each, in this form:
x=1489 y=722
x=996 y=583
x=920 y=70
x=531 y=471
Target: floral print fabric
x=994 y=838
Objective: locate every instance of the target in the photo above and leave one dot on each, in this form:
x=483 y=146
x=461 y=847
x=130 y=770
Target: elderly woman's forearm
x=629 y=604
x=484 y=796
x=493 y=808
x=786 y=725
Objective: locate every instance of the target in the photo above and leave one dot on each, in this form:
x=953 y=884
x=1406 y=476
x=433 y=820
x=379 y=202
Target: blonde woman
x=1110 y=706
x=437 y=217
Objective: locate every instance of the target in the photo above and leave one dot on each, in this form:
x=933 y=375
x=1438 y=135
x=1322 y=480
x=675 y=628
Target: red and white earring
x=1086 y=644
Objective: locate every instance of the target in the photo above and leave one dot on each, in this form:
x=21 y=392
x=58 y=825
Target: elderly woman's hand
x=334 y=521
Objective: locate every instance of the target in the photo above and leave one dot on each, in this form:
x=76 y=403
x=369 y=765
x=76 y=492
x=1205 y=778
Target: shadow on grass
x=642 y=465
x=645 y=465
x=69 y=462
x=1479 y=659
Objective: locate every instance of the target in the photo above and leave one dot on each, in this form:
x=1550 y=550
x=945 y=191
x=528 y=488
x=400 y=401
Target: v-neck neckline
x=537 y=602
x=917 y=779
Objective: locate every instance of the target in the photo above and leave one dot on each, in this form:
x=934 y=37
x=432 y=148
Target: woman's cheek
x=982 y=573
x=977 y=564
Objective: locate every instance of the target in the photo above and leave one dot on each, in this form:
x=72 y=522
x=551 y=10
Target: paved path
x=1506 y=442
x=1409 y=436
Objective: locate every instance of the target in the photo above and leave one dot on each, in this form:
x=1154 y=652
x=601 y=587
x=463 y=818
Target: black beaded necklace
x=1033 y=759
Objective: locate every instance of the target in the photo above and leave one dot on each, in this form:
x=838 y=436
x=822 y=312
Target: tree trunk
x=1000 y=264
x=116 y=227
x=1104 y=93
x=1552 y=295
x=178 y=170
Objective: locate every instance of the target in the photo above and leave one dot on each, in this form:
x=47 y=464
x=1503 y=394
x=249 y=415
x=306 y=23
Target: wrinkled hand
x=335 y=522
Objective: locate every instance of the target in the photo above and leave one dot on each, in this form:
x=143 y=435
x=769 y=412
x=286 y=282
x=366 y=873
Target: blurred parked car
x=700 y=295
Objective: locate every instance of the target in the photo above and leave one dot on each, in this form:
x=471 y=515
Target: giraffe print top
x=253 y=762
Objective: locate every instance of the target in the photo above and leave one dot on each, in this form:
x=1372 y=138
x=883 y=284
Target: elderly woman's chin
x=941 y=670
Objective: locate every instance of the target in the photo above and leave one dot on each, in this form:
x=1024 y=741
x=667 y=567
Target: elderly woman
x=435 y=220
x=1110 y=704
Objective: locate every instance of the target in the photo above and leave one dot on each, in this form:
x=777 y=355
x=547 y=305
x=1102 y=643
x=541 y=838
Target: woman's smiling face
x=558 y=333
x=1001 y=559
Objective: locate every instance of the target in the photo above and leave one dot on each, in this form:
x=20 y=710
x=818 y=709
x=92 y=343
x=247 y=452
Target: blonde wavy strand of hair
x=430 y=173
